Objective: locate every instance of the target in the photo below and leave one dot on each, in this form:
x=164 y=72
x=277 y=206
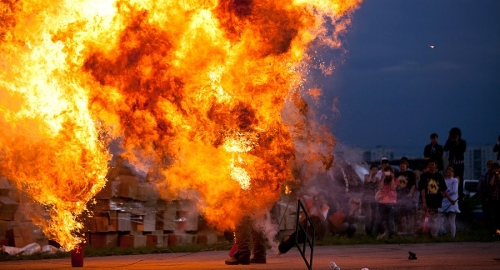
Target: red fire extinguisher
x=77 y=255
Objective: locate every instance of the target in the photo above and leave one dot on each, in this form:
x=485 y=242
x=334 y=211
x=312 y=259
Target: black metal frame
x=308 y=240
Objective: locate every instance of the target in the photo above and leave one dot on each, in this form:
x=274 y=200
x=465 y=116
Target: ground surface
x=441 y=256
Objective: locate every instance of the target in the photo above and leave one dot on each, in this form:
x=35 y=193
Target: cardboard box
x=104 y=240
x=4 y=241
x=42 y=241
x=149 y=222
x=113 y=217
x=152 y=240
x=133 y=241
x=186 y=221
x=159 y=237
x=88 y=224
x=137 y=222
x=4 y=226
x=165 y=218
x=8 y=208
x=175 y=240
x=146 y=192
x=26 y=210
x=109 y=191
x=119 y=204
x=22 y=235
x=101 y=224
x=207 y=238
x=5 y=186
x=128 y=186
x=123 y=222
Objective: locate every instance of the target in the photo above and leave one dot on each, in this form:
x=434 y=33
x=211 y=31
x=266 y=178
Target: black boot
x=288 y=243
x=259 y=247
x=258 y=260
x=235 y=261
x=243 y=236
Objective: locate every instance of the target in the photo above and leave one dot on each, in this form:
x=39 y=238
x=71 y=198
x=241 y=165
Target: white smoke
x=270 y=230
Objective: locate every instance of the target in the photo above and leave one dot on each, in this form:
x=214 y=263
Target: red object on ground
x=77 y=256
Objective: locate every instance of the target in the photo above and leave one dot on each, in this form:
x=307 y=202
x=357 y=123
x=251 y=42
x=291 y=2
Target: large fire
x=206 y=94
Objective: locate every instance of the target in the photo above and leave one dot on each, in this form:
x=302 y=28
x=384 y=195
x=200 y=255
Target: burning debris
x=205 y=96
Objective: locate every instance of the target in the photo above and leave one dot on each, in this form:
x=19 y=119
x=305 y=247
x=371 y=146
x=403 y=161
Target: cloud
x=405 y=66
x=444 y=66
x=414 y=66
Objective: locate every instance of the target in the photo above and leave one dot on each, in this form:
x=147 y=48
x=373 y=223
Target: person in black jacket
x=456 y=146
x=434 y=151
x=496 y=149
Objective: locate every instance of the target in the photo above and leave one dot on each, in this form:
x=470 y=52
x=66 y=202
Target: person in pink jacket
x=386 y=198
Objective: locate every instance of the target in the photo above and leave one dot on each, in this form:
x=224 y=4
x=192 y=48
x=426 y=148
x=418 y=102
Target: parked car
x=471 y=206
x=470 y=187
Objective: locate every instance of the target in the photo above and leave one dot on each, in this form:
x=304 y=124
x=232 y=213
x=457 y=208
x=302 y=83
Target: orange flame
x=195 y=89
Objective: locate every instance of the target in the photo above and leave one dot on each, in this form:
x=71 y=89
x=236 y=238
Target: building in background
x=377 y=153
x=475 y=160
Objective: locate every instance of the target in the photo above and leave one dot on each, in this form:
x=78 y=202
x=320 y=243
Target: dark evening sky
x=413 y=68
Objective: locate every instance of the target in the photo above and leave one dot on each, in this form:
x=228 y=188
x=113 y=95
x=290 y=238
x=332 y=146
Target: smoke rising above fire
x=204 y=95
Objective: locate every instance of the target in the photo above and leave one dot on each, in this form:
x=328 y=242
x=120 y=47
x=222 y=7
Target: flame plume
x=195 y=89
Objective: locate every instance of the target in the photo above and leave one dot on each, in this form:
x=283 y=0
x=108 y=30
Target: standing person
x=496 y=149
x=245 y=233
x=447 y=211
x=432 y=188
x=386 y=198
x=483 y=192
x=405 y=207
x=434 y=151
x=384 y=163
x=494 y=198
x=456 y=146
x=369 y=206
x=416 y=198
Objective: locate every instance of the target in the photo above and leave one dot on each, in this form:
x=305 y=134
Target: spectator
x=369 y=209
x=482 y=192
x=432 y=188
x=405 y=207
x=447 y=211
x=384 y=162
x=416 y=195
x=496 y=149
x=386 y=198
x=494 y=198
x=434 y=151
x=456 y=146
x=317 y=208
x=349 y=225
